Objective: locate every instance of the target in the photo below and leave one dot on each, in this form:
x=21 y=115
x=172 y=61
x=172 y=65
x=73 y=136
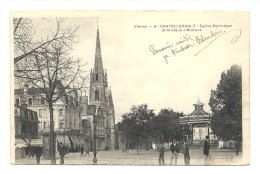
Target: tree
x=166 y=126
x=226 y=105
x=136 y=124
x=26 y=45
x=51 y=69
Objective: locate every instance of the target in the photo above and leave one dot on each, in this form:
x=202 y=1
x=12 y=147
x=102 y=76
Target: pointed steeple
x=98 y=66
x=110 y=98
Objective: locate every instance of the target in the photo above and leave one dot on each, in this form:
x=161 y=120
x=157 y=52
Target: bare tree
x=50 y=68
x=25 y=44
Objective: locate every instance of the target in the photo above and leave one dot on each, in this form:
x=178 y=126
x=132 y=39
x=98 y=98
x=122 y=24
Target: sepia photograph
x=131 y=88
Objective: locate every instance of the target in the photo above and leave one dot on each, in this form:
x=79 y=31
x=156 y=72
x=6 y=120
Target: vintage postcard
x=130 y=88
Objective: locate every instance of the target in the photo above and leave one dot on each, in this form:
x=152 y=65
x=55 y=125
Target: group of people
x=184 y=149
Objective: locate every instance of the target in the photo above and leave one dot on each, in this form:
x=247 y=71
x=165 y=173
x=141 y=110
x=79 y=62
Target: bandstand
x=199 y=124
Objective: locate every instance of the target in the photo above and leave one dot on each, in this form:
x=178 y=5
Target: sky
x=136 y=75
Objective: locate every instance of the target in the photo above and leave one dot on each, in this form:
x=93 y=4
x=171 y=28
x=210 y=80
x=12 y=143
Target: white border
x=7 y=6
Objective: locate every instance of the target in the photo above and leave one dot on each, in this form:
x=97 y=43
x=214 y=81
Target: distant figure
x=175 y=150
x=161 y=154
x=82 y=150
x=154 y=146
x=206 y=150
x=237 y=147
x=62 y=153
x=185 y=151
x=87 y=152
x=38 y=154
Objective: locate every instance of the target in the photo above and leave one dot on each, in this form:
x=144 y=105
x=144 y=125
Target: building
x=66 y=116
x=26 y=131
x=100 y=95
x=199 y=125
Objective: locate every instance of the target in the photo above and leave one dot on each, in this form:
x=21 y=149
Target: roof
x=31 y=91
x=198 y=103
x=201 y=112
x=24 y=108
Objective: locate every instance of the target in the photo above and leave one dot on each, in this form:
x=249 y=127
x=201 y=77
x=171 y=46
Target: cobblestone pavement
x=116 y=157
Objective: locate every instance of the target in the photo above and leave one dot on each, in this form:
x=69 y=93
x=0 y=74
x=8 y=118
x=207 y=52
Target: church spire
x=110 y=97
x=98 y=66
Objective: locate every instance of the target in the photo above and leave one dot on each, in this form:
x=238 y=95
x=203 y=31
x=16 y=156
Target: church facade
x=100 y=95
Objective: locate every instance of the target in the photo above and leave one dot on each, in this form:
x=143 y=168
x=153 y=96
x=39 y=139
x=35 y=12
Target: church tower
x=101 y=96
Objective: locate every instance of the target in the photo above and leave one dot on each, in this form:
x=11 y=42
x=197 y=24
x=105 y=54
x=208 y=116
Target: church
x=100 y=103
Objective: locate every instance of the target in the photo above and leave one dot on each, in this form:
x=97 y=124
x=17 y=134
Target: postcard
x=133 y=88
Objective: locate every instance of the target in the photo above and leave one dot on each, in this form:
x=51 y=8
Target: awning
x=20 y=143
x=70 y=136
x=36 y=142
x=75 y=139
x=81 y=139
x=64 y=139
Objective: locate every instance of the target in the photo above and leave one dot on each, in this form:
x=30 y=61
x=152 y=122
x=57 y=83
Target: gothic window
x=96 y=77
x=93 y=78
x=96 y=94
x=29 y=101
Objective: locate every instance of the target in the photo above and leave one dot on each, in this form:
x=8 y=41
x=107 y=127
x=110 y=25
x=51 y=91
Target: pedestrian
x=185 y=151
x=237 y=147
x=38 y=154
x=175 y=150
x=161 y=154
x=82 y=150
x=87 y=151
x=206 y=150
x=62 y=153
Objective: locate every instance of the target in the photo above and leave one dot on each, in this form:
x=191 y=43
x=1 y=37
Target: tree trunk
x=137 y=146
x=52 y=139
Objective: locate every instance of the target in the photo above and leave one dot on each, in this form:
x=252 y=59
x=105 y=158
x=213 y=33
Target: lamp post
x=183 y=132
x=94 y=150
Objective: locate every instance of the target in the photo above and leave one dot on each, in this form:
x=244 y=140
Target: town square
x=84 y=94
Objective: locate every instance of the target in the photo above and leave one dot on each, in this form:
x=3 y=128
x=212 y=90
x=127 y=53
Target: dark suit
x=62 y=154
x=186 y=154
x=206 y=150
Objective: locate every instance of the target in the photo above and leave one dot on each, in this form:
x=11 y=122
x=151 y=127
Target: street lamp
x=183 y=133
x=95 y=126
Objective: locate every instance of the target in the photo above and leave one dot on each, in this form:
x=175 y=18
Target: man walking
x=62 y=153
x=237 y=147
x=38 y=153
x=87 y=152
x=175 y=150
x=206 y=150
x=185 y=151
x=82 y=151
x=161 y=154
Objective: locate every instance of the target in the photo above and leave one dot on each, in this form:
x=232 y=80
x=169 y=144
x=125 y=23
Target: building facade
x=66 y=116
x=26 y=130
x=100 y=95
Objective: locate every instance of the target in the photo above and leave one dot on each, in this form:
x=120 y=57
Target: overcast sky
x=136 y=76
